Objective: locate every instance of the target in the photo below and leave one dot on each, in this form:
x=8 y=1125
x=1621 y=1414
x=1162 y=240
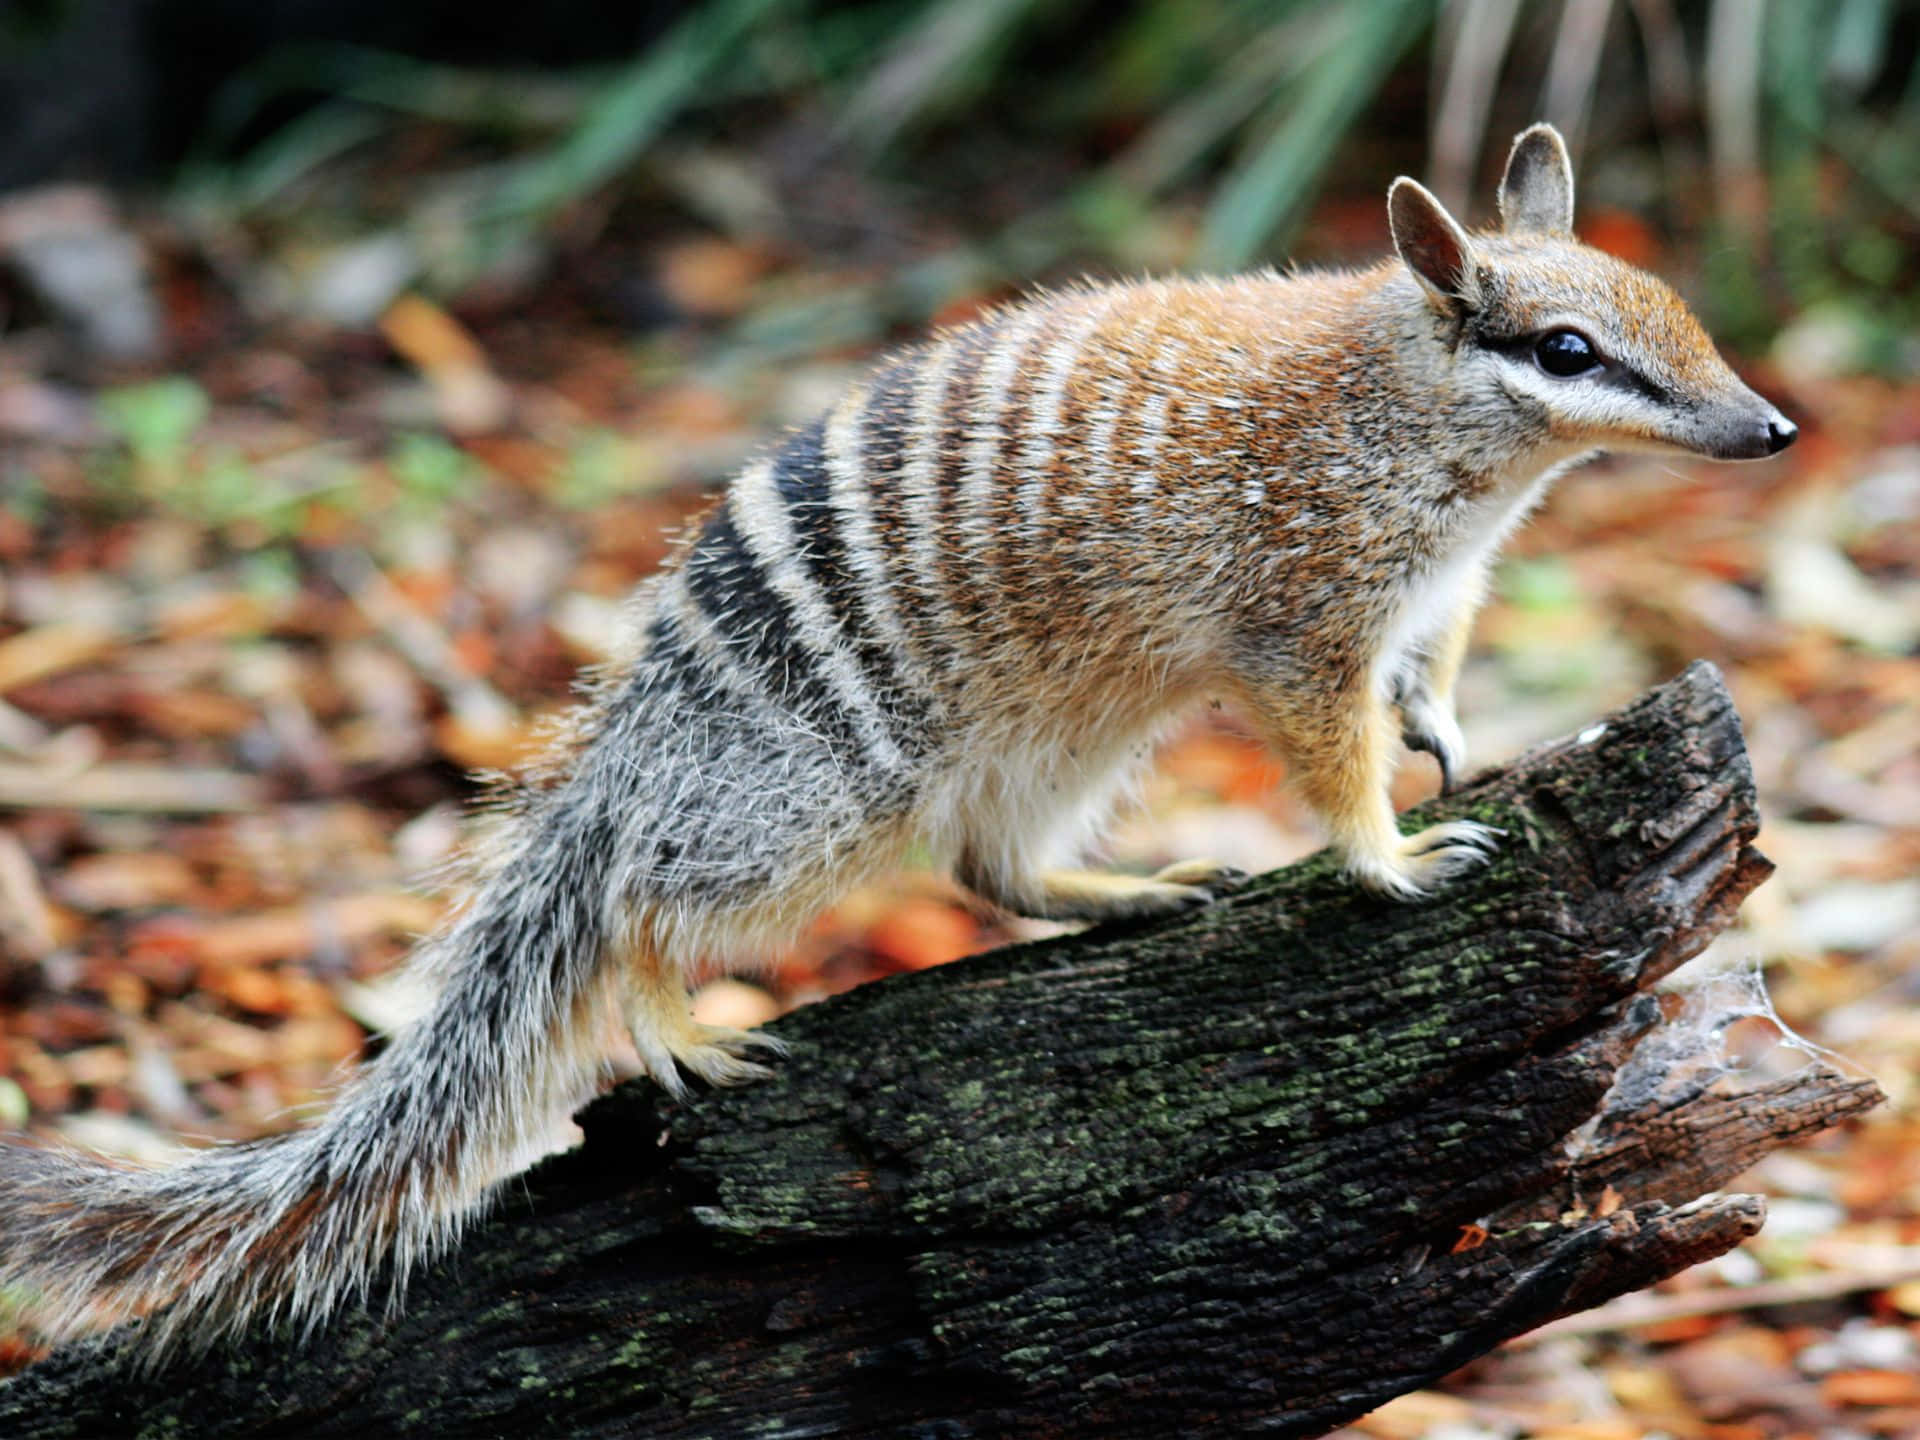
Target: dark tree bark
x=1252 y=1171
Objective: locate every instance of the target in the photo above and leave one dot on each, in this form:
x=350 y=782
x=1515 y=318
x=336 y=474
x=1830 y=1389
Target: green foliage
x=630 y=111
x=945 y=55
x=15 y=1111
x=271 y=574
x=156 y=421
x=1343 y=62
x=1817 y=61
x=21 y=492
x=163 y=461
x=1242 y=105
x=428 y=471
x=1542 y=586
x=601 y=466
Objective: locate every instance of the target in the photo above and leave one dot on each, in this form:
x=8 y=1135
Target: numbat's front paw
x=1429 y=859
x=1432 y=727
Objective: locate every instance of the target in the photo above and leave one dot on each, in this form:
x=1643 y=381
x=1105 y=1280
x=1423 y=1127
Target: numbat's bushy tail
x=954 y=614
x=291 y=1226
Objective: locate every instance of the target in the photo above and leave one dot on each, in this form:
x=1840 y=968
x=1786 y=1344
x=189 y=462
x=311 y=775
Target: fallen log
x=1259 y=1168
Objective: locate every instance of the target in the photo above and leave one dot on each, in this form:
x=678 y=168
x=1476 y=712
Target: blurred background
x=355 y=358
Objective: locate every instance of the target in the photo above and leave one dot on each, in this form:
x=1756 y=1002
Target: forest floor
x=266 y=603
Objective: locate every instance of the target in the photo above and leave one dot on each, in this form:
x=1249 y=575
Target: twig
x=1568 y=97
x=1479 y=45
x=150 y=789
x=426 y=648
x=1633 y=1311
x=20 y=733
x=23 y=904
x=48 y=649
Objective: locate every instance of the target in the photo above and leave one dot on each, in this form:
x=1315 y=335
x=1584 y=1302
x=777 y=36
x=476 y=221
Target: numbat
x=955 y=613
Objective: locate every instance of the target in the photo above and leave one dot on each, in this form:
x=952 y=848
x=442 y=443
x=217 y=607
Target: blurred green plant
x=1318 y=91
x=156 y=421
x=1763 y=110
x=1543 y=585
x=600 y=466
x=428 y=471
x=22 y=493
x=1816 y=68
x=161 y=460
x=271 y=573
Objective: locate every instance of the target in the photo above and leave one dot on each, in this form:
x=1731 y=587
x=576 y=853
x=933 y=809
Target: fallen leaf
x=920 y=932
x=299 y=930
x=49 y=649
x=468 y=397
x=1871 y=1387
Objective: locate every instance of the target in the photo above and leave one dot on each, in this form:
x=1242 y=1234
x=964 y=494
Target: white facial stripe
x=1584 y=407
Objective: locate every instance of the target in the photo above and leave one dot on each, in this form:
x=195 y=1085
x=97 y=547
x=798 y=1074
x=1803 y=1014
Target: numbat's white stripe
x=1151 y=418
x=852 y=505
x=978 y=480
x=920 y=475
x=711 y=651
x=929 y=459
x=762 y=517
x=1097 y=475
x=1043 y=420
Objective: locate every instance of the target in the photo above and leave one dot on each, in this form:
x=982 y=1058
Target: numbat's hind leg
x=660 y=1017
x=1096 y=896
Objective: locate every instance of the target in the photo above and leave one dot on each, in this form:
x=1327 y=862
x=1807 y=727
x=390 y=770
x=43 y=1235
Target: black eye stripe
x=1526 y=346
x=1617 y=372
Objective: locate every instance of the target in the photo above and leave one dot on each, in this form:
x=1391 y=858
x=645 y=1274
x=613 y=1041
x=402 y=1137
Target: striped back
x=962 y=531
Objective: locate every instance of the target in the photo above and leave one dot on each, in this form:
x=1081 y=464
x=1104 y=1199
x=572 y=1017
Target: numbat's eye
x=1565 y=352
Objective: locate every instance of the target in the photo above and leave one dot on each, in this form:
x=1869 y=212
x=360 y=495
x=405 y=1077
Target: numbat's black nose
x=1781 y=432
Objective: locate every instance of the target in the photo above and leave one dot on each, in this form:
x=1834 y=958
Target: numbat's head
x=1567 y=341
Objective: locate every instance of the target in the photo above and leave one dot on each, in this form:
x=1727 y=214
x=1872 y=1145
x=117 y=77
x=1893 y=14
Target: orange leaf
x=1624 y=234
x=429 y=337
x=1472 y=1237
x=917 y=933
x=49 y=649
x=1871 y=1387
x=710 y=277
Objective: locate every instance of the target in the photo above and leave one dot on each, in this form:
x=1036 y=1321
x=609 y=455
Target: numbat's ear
x=1536 y=193
x=1434 y=246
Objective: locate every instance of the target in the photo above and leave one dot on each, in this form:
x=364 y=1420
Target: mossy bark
x=1203 y=1177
